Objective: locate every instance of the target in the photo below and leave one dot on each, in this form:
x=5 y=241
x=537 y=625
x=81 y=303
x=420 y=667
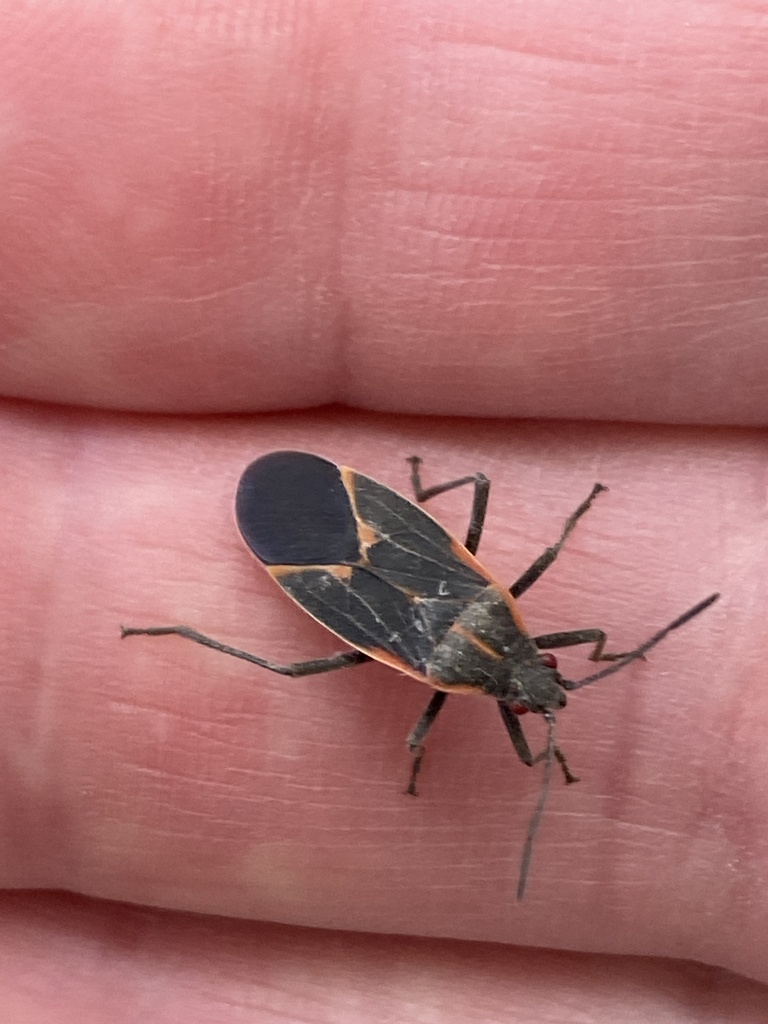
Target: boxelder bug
x=388 y=579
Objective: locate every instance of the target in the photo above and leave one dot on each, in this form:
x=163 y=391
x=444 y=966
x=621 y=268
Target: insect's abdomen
x=478 y=649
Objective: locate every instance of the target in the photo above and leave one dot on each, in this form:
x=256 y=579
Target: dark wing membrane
x=414 y=553
x=371 y=613
x=292 y=509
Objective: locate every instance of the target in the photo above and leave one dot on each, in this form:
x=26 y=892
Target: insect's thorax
x=485 y=650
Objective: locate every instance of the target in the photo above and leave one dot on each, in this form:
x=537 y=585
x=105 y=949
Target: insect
x=389 y=580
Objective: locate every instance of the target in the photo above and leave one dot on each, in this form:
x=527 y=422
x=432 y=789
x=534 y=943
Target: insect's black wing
x=364 y=561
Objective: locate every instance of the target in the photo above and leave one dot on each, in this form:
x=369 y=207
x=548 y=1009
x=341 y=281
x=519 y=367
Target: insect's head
x=538 y=686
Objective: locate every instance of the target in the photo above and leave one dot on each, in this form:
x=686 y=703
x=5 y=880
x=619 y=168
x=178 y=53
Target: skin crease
x=546 y=214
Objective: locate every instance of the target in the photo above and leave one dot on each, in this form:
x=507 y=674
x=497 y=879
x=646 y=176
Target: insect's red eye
x=548 y=659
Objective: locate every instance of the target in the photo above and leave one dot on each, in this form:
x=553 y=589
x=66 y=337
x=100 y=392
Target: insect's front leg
x=523 y=751
x=574 y=637
x=638 y=652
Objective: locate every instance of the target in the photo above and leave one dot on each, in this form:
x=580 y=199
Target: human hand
x=456 y=219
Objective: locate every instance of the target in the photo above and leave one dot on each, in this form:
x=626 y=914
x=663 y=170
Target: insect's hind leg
x=482 y=487
x=418 y=735
x=345 y=659
x=546 y=559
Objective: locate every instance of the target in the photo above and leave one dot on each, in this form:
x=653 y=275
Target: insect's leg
x=479 y=502
x=639 y=652
x=546 y=559
x=523 y=751
x=416 y=738
x=300 y=668
x=573 y=637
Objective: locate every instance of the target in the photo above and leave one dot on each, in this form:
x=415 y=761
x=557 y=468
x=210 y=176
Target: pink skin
x=492 y=209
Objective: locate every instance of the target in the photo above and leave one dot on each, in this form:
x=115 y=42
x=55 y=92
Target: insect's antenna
x=533 y=828
x=643 y=648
